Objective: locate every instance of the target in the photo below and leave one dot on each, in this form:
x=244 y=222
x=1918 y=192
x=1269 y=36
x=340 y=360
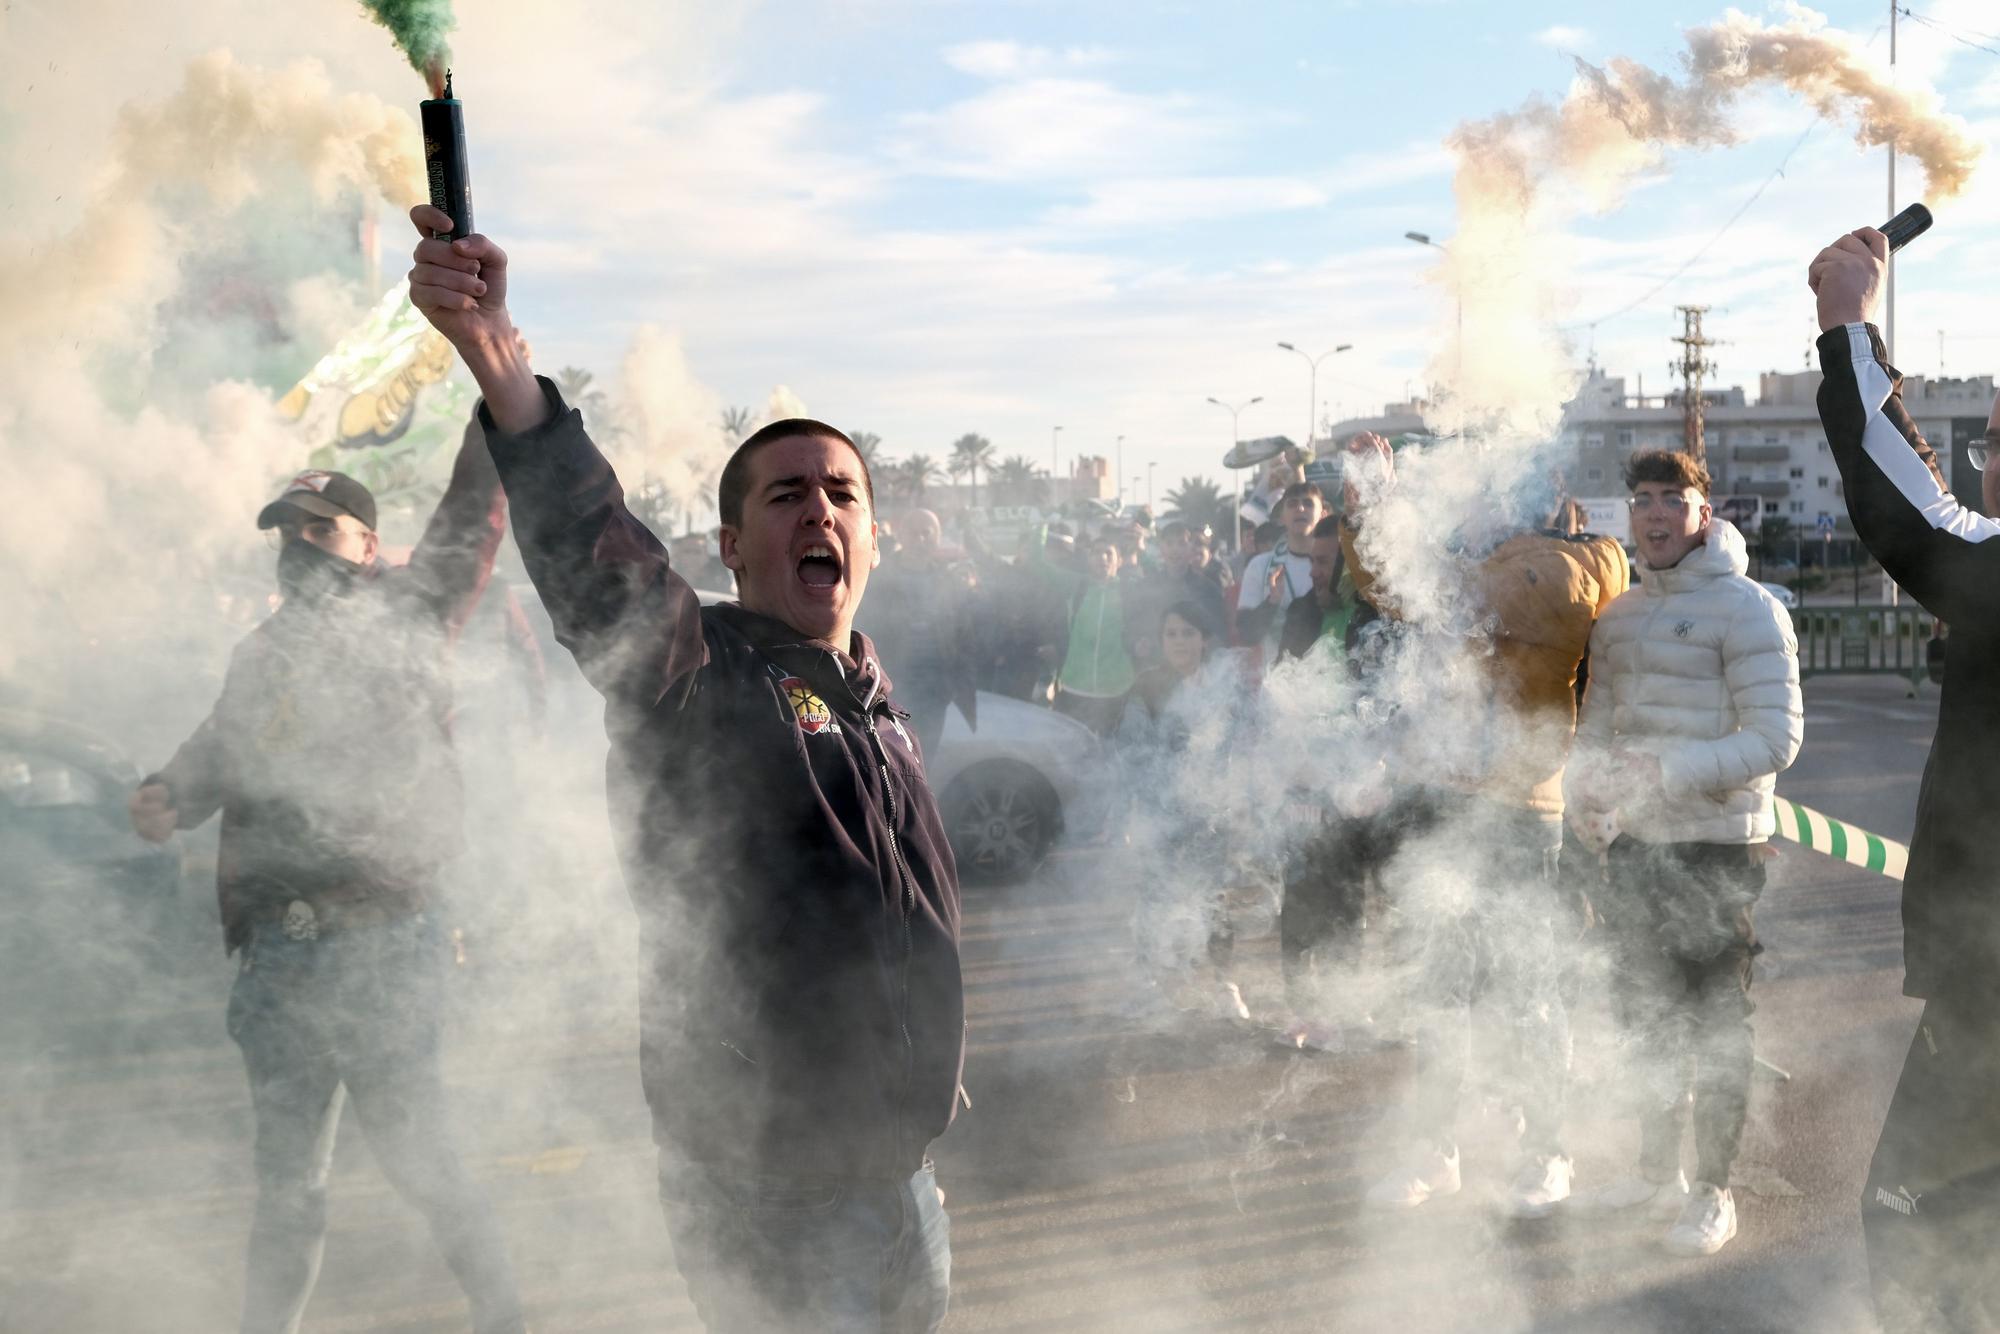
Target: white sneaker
x=1540 y=1185
x=1425 y=1171
x=1706 y=1223
x=1229 y=1003
x=1658 y=1199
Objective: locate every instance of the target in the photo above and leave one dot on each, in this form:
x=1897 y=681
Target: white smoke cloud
x=1523 y=173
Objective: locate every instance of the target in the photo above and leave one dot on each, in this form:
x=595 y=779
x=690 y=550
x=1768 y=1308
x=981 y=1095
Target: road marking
x=549 y=1162
x=1836 y=838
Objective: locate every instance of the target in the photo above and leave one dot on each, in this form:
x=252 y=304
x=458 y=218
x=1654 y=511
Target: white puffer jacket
x=1699 y=666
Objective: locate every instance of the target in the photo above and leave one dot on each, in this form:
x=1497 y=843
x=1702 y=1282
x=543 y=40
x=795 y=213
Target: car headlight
x=36 y=781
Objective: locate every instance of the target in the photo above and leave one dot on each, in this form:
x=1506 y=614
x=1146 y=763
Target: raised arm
x=633 y=624
x=1370 y=465
x=1942 y=552
x=453 y=560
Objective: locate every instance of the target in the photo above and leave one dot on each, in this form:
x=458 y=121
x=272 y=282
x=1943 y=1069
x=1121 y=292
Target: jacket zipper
x=1099 y=669
x=907 y=883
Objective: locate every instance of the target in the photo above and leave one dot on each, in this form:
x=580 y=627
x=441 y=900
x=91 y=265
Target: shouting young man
x=1692 y=711
x=802 y=1013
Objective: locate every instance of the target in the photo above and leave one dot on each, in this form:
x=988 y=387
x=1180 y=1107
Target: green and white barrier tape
x=1836 y=838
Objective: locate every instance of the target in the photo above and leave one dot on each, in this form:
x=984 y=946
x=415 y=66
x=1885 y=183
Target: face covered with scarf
x=319 y=557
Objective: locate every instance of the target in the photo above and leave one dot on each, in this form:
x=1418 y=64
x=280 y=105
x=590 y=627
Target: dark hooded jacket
x=329 y=751
x=802 y=1010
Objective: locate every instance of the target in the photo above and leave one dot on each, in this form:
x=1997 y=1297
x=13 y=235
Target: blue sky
x=934 y=218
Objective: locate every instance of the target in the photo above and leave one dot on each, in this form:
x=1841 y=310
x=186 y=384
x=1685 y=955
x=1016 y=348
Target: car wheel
x=1002 y=818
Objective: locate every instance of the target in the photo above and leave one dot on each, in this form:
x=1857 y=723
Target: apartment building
x=1770 y=446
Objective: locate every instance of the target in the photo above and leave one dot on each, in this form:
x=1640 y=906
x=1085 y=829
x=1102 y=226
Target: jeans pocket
x=786 y=1196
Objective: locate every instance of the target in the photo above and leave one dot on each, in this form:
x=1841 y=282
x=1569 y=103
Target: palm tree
x=869 y=446
x=919 y=471
x=654 y=505
x=1016 y=476
x=970 y=453
x=1197 y=501
x=580 y=390
x=736 y=423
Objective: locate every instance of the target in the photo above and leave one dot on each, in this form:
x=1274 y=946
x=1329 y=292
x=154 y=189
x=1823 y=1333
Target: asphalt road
x=1117 y=1171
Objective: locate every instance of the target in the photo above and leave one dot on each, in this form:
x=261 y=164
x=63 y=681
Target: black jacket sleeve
x=453 y=560
x=1301 y=630
x=633 y=624
x=1945 y=554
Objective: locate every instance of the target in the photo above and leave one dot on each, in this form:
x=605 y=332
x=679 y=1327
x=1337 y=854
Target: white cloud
x=1563 y=37
x=1414 y=161
x=1165 y=201
x=1012 y=60
x=1061 y=129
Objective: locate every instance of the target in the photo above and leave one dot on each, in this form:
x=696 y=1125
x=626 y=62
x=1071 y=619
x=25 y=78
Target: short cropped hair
x=1669 y=466
x=734 y=488
x=1193 y=613
x=1300 y=491
x=1327 y=527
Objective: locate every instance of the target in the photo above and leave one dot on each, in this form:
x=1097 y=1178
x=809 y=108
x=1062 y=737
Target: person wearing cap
x=328 y=757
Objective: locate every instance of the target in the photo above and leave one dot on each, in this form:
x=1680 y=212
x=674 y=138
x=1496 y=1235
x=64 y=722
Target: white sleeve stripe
x=1893 y=455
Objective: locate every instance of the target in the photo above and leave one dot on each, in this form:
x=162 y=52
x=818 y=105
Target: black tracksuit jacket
x=1948 y=558
x=801 y=1007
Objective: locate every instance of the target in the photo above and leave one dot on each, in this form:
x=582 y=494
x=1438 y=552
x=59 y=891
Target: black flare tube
x=1906 y=226
x=444 y=159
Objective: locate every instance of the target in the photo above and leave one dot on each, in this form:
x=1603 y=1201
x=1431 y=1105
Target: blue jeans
x=773 y=1255
x=357 y=1011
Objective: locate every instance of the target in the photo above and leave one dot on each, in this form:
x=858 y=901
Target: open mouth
x=819 y=567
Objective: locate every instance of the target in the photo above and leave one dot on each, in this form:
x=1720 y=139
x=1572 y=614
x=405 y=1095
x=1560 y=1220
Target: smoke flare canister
x=450 y=177
x=1906 y=226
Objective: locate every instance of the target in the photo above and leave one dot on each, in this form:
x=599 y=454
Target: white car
x=1009 y=791
x=1786 y=597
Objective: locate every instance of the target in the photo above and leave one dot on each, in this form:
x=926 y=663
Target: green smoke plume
x=419 y=27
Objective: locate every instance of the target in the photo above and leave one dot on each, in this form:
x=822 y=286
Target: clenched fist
x=461 y=288
x=152 y=810
x=1847 y=278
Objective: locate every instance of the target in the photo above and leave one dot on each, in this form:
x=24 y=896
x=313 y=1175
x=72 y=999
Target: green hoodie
x=1097 y=663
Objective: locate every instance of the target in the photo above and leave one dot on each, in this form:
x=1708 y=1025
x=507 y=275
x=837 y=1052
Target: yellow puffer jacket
x=1543 y=592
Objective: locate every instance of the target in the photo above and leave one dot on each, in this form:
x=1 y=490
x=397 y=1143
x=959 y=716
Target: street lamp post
x=1312 y=396
x=1458 y=349
x=1055 y=465
x=1236 y=438
x=1150 y=465
x=1119 y=476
